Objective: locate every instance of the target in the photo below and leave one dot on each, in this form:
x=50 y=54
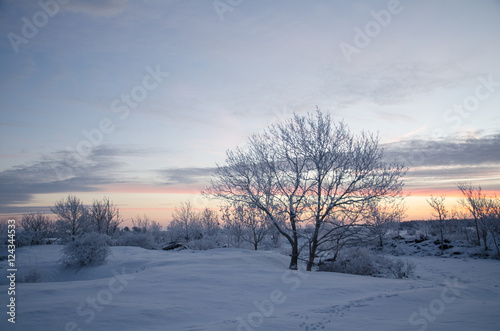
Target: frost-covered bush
x=89 y=249
x=206 y=242
x=401 y=269
x=352 y=261
x=31 y=276
x=138 y=239
x=361 y=261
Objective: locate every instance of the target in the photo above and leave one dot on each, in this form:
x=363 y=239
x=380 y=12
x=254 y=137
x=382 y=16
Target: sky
x=139 y=100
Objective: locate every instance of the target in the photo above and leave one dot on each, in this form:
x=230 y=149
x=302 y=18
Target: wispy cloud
x=19 y=184
x=442 y=163
x=451 y=151
x=186 y=176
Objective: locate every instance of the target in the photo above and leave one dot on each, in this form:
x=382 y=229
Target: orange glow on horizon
x=159 y=202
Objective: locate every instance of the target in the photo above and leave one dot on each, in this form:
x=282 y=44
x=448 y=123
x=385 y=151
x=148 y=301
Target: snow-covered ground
x=233 y=289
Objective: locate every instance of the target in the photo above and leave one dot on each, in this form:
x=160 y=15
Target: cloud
x=53 y=174
x=446 y=152
x=443 y=163
x=186 y=176
x=440 y=162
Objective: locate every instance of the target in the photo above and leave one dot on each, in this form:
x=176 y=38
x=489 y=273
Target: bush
x=89 y=249
x=360 y=261
x=205 y=243
x=401 y=269
x=138 y=239
x=353 y=261
x=31 y=276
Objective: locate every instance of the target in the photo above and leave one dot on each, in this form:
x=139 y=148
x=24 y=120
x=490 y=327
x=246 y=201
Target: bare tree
x=381 y=216
x=37 y=225
x=233 y=228
x=257 y=224
x=104 y=216
x=141 y=224
x=247 y=224
x=185 y=219
x=470 y=201
x=209 y=222
x=481 y=208
x=495 y=222
x=306 y=168
x=73 y=217
x=440 y=213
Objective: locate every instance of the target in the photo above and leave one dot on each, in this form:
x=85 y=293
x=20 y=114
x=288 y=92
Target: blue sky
x=201 y=76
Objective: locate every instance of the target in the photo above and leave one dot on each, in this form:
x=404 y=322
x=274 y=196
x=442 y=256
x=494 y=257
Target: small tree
x=104 y=216
x=234 y=229
x=495 y=222
x=481 y=208
x=37 y=227
x=441 y=214
x=209 y=222
x=73 y=219
x=380 y=217
x=185 y=221
x=248 y=224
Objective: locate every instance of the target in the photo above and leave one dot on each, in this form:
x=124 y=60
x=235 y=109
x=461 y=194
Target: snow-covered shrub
x=361 y=261
x=31 y=276
x=89 y=249
x=206 y=242
x=138 y=239
x=401 y=269
x=352 y=261
x=36 y=227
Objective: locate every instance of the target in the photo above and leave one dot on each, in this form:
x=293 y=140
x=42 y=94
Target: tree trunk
x=477 y=231
x=485 y=238
x=442 y=237
x=294 y=265
x=314 y=246
x=312 y=255
x=295 y=257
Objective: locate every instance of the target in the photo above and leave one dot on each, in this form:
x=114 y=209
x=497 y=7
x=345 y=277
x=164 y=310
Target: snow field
x=233 y=289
